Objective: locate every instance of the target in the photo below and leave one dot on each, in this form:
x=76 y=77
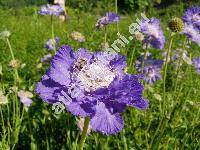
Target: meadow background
x=38 y=128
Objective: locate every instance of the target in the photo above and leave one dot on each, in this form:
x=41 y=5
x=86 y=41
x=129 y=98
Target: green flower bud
x=176 y=25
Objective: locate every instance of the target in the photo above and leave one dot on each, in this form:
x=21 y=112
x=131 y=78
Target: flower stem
x=13 y=58
x=164 y=90
x=116 y=11
x=10 y=48
x=145 y=57
x=179 y=65
x=52 y=33
x=105 y=34
x=165 y=70
x=84 y=133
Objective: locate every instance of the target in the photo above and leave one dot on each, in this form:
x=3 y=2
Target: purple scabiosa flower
x=25 y=97
x=110 y=17
x=51 y=43
x=153 y=33
x=94 y=85
x=196 y=64
x=192 y=16
x=192 y=32
x=46 y=59
x=151 y=70
x=54 y=10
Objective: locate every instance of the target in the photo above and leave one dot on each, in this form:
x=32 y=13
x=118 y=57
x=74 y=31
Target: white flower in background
x=3 y=99
x=157 y=97
x=13 y=89
x=4 y=34
x=25 y=97
x=186 y=59
x=23 y=65
x=15 y=63
x=77 y=36
x=139 y=36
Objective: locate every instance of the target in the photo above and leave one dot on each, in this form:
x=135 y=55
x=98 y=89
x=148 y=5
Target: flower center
x=95 y=75
x=151 y=72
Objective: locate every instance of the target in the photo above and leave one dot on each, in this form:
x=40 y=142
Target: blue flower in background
x=25 y=97
x=55 y=10
x=109 y=18
x=191 y=19
x=153 y=33
x=94 y=85
x=192 y=32
x=196 y=64
x=192 y=16
x=51 y=43
x=46 y=59
x=151 y=70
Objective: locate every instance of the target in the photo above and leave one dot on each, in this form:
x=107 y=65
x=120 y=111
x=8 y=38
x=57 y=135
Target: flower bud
x=176 y=25
x=15 y=63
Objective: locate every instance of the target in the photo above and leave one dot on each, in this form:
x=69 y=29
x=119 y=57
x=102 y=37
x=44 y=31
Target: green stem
x=145 y=57
x=105 y=34
x=179 y=65
x=10 y=48
x=164 y=89
x=165 y=70
x=84 y=133
x=52 y=33
x=116 y=11
x=13 y=58
x=132 y=55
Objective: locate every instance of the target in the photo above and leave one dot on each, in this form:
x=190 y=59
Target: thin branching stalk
x=179 y=65
x=13 y=58
x=52 y=34
x=132 y=55
x=164 y=89
x=145 y=57
x=105 y=34
x=116 y=11
x=165 y=71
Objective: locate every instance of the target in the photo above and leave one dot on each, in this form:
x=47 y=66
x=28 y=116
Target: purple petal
x=48 y=90
x=105 y=122
x=61 y=65
x=80 y=109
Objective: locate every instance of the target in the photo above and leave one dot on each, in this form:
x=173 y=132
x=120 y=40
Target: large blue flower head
x=110 y=17
x=55 y=10
x=94 y=85
x=191 y=20
x=196 y=64
x=151 y=69
x=192 y=16
x=153 y=33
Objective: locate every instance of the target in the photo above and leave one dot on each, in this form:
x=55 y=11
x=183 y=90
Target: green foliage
x=20 y=3
x=41 y=129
